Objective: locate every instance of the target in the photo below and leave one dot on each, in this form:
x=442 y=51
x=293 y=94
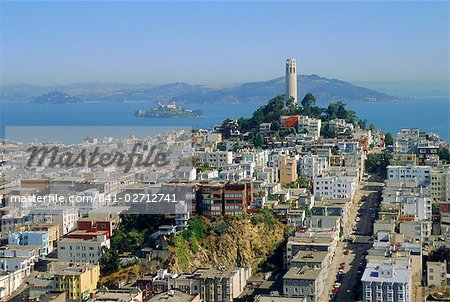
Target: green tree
x=309 y=100
x=388 y=139
x=377 y=162
x=362 y=124
x=444 y=154
x=258 y=140
x=110 y=261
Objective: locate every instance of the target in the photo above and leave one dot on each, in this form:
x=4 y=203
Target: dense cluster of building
x=309 y=182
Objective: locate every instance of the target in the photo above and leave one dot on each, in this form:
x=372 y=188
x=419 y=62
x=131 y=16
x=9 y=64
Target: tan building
x=403 y=159
x=78 y=281
x=288 y=170
x=175 y=295
x=436 y=273
x=440 y=184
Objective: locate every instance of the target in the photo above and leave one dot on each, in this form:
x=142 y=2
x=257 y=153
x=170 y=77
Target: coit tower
x=291 y=81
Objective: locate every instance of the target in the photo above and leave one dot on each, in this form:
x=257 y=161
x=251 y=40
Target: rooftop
x=304 y=273
x=308 y=256
x=173 y=296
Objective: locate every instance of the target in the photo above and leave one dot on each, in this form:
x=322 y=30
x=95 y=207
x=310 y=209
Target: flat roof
x=304 y=273
x=309 y=256
x=386 y=272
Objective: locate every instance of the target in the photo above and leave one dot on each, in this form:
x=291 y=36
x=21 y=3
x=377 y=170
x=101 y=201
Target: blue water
x=428 y=113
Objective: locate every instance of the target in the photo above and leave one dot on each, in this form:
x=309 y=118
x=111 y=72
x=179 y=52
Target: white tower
x=291 y=80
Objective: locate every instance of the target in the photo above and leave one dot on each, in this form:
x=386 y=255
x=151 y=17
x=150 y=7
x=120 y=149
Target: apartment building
x=215 y=159
x=79 y=282
x=440 y=184
x=340 y=126
x=216 y=199
x=386 y=282
x=64 y=216
x=9 y=282
x=81 y=250
x=309 y=125
x=311 y=166
x=335 y=187
x=427 y=154
x=32 y=238
x=305 y=283
x=288 y=170
x=421 y=174
x=225 y=284
x=436 y=274
x=403 y=159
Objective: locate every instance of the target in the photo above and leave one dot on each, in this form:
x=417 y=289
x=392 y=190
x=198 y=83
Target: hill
x=325 y=90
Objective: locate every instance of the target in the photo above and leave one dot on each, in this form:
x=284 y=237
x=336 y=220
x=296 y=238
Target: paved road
x=366 y=201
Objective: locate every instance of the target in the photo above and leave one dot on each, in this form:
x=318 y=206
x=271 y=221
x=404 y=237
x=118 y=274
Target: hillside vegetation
x=245 y=240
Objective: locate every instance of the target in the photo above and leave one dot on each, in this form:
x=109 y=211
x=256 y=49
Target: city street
x=365 y=206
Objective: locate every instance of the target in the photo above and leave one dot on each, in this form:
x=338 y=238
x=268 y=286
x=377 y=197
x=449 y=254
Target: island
x=169 y=111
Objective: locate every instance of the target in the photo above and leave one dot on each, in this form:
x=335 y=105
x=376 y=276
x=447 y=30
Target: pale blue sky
x=222 y=42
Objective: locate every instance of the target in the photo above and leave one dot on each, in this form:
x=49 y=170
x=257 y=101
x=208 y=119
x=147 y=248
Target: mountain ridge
x=325 y=90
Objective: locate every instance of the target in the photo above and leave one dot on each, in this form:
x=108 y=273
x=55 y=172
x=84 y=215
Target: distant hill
x=325 y=90
x=56 y=97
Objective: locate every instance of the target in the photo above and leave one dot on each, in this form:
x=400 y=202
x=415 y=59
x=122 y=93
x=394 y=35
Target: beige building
x=78 y=281
x=288 y=170
x=436 y=273
x=440 y=184
x=305 y=283
x=403 y=159
x=213 y=285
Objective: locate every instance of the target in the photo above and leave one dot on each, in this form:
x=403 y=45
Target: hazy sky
x=222 y=42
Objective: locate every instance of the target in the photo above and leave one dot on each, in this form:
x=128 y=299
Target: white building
x=312 y=165
x=291 y=81
x=216 y=159
x=386 y=282
x=9 y=282
x=419 y=173
x=80 y=250
x=309 y=125
x=335 y=187
x=65 y=216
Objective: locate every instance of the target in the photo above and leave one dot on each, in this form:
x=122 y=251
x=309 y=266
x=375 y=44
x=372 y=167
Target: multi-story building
x=436 y=274
x=305 y=283
x=427 y=154
x=64 y=216
x=213 y=285
x=32 y=238
x=80 y=250
x=311 y=166
x=288 y=170
x=335 y=187
x=403 y=159
x=340 y=126
x=386 y=282
x=215 y=159
x=440 y=185
x=78 y=281
x=309 y=125
x=349 y=147
x=421 y=174
x=9 y=282
x=216 y=199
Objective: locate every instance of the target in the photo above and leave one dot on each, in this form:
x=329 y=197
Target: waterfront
x=430 y=114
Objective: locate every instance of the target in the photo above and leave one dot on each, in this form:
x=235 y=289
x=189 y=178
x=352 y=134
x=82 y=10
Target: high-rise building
x=291 y=81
